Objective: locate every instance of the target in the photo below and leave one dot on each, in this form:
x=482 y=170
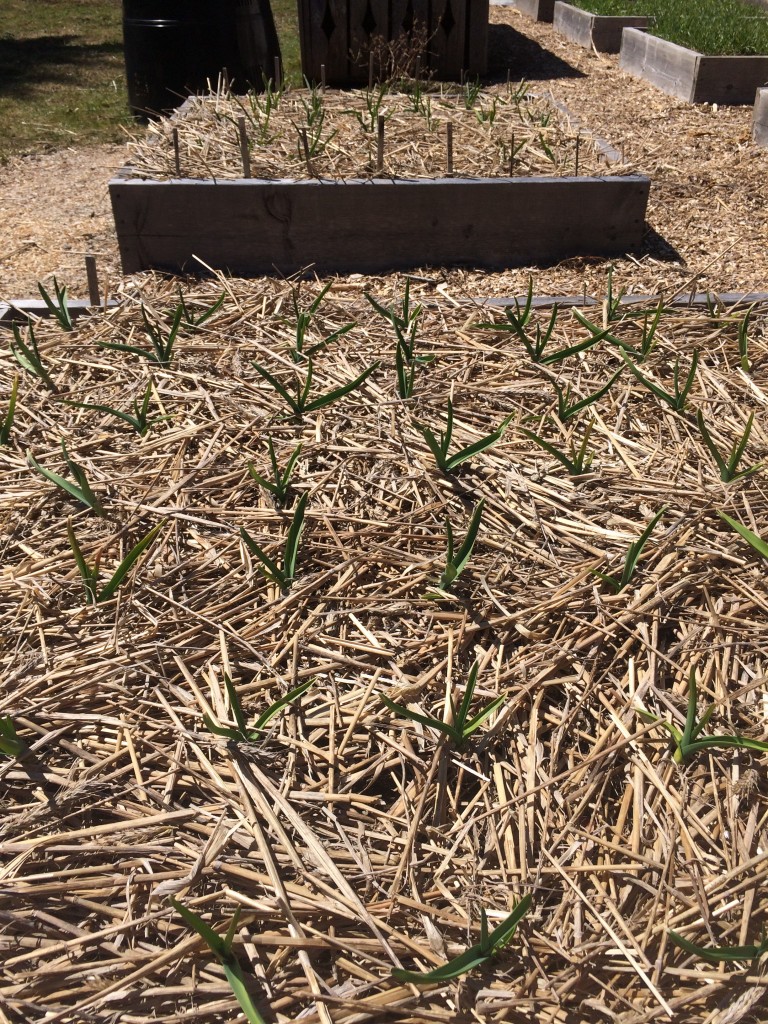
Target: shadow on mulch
x=657 y=246
x=510 y=51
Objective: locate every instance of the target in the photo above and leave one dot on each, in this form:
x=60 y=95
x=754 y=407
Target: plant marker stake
x=380 y=145
x=370 y=71
x=277 y=73
x=176 y=156
x=93 y=280
x=225 y=81
x=449 y=145
x=512 y=158
x=244 y=152
x=578 y=144
x=322 y=78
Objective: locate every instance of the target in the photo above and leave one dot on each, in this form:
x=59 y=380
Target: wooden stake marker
x=245 y=153
x=176 y=156
x=94 y=294
x=380 y=145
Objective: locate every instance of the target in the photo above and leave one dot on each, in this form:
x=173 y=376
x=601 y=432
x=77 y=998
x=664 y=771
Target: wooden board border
x=689 y=75
x=250 y=227
x=594 y=31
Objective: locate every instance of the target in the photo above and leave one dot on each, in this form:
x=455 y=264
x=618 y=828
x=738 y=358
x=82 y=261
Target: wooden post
x=245 y=154
x=176 y=156
x=380 y=145
x=94 y=296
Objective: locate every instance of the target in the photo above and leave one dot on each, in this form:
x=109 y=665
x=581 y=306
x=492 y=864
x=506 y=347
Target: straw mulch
x=352 y=839
x=304 y=133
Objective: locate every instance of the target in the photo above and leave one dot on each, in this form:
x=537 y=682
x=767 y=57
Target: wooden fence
x=352 y=38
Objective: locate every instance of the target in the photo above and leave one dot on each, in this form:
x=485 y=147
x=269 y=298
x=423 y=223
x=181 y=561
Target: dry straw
x=352 y=840
x=425 y=132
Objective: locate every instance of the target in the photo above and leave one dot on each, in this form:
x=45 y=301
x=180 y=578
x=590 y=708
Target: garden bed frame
x=540 y=10
x=594 y=31
x=24 y=311
x=760 y=120
x=689 y=75
x=252 y=227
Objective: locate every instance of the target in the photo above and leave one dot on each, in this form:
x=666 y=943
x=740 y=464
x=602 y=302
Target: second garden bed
x=371 y=181
x=710 y=52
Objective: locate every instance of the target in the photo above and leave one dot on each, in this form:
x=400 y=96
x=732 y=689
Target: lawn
x=709 y=26
x=62 y=77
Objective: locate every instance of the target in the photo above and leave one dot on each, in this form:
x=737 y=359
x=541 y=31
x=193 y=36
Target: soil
x=707 y=225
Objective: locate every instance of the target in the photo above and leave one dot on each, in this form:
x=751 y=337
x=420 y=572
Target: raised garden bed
x=540 y=10
x=595 y=31
x=515 y=185
x=760 y=121
x=689 y=75
x=712 y=27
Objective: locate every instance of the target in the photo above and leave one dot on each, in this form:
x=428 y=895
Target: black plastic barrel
x=175 y=47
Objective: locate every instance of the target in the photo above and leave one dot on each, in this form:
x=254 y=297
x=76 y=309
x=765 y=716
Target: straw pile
x=303 y=133
x=352 y=840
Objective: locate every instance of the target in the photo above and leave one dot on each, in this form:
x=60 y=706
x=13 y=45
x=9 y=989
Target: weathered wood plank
x=729 y=80
x=541 y=10
x=669 y=67
x=340 y=33
x=476 y=38
x=369 y=28
x=446 y=45
x=594 y=31
x=256 y=227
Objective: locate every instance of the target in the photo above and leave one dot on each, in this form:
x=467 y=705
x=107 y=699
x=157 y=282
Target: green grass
x=709 y=26
x=62 y=76
x=62 y=79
